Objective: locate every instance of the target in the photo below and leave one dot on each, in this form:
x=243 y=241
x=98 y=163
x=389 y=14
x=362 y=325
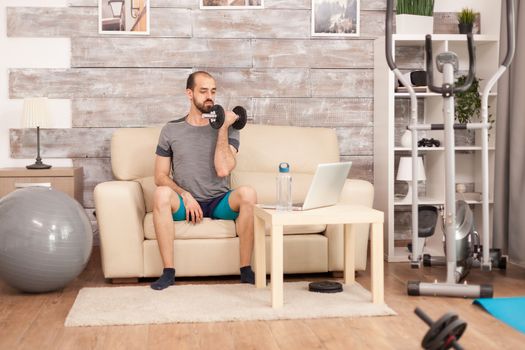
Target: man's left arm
x=224 y=159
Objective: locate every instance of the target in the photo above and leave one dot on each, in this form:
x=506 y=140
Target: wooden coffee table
x=337 y=214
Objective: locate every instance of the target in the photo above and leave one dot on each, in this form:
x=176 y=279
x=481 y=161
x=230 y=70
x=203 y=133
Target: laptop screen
x=327 y=185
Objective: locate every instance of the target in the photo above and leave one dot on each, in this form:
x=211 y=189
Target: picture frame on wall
x=335 y=17
x=231 y=4
x=130 y=17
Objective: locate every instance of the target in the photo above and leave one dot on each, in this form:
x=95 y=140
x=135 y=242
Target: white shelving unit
x=387 y=125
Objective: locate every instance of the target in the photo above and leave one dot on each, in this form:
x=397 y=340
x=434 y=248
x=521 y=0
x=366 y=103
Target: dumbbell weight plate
x=452 y=331
x=243 y=118
x=325 y=287
x=438 y=327
x=217 y=122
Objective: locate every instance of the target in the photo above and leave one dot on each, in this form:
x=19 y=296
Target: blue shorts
x=215 y=208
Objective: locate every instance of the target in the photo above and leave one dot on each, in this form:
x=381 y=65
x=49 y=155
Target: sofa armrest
x=357 y=192
x=354 y=192
x=120 y=211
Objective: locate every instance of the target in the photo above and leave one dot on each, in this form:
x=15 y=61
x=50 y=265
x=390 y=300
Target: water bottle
x=284 y=188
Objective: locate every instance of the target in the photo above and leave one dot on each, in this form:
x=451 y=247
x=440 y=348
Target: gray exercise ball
x=45 y=239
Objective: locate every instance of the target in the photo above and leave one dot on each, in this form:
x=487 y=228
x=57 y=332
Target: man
x=201 y=159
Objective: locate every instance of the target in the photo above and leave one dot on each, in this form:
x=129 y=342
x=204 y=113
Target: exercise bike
x=459 y=257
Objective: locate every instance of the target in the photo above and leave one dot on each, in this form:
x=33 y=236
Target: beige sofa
x=123 y=207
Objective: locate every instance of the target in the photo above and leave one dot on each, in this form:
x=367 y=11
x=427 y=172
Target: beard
x=202 y=107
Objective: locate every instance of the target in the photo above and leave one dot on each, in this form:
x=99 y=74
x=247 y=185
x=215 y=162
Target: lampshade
x=404 y=172
x=36 y=113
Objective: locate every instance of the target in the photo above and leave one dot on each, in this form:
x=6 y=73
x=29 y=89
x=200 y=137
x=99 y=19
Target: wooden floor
x=36 y=321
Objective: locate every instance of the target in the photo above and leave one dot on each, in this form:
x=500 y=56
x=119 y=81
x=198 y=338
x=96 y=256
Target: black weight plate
x=219 y=116
x=437 y=327
x=443 y=340
x=325 y=287
x=243 y=117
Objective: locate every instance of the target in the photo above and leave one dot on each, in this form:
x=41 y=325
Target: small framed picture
x=335 y=17
x=129 y=17
x=231 y=4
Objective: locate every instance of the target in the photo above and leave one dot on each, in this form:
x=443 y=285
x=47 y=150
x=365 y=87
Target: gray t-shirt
x=192 y=151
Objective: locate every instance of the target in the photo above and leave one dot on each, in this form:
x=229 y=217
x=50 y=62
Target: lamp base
x=38 y=160
x=38 y=165
x=408 y=197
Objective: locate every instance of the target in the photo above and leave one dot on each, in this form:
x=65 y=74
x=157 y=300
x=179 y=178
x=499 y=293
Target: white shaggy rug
x=215 y=302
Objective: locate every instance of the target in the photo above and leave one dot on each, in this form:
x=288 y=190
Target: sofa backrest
x=261 y=150
x=133 y=152
x=263 y=147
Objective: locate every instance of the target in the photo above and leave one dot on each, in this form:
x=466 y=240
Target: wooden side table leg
x=277 y=267
x=259 y=252
x=349 y=253
x=377 y=273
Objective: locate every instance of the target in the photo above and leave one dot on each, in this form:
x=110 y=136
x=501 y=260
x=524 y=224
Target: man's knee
x=162 y=196
x=247 y=194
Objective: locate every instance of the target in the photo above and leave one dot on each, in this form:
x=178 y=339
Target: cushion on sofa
x=209 y=228
x=148 y=189
x=263 y=147
x=133 y=152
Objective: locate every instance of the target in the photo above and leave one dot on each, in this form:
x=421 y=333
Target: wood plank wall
x=264 y=59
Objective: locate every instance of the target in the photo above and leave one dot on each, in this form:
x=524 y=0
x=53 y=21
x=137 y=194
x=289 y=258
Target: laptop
x=325 y=189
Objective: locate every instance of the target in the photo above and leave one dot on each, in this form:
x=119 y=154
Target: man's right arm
x=162 y=174
x=162 y=178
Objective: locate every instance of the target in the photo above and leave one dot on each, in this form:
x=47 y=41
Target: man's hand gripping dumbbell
x=217 y=115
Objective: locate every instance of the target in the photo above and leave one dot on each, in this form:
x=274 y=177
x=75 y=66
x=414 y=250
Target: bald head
x=190 y=83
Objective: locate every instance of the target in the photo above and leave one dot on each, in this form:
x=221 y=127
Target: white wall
x=29 y=53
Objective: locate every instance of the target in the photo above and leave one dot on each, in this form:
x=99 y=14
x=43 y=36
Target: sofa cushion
x=133 y=152
x=209 y=228
x=263 y=147
x=148 y=189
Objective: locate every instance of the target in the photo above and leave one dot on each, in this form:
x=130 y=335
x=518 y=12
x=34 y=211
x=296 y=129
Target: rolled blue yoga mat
x=509 y=310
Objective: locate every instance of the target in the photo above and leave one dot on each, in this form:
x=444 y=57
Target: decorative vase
x=465 y=137
x=412 y=24
x=465 y=28
x=406 y=139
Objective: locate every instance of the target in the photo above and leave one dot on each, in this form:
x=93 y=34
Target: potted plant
x=467 y=108
x=466 y=20
x=414 y=16
x=468 y=103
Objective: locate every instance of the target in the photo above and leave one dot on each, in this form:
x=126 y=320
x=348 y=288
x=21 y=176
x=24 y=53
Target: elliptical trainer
x=447 y=64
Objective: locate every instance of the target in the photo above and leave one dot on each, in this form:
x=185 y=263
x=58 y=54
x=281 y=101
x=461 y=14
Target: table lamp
x=404 y=173
x=36 y=114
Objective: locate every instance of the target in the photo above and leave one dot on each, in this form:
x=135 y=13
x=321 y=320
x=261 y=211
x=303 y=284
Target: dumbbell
x=443 y=333
x=216 y=117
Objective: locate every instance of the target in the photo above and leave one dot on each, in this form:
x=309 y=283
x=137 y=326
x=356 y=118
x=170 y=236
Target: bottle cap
x=284 y=167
